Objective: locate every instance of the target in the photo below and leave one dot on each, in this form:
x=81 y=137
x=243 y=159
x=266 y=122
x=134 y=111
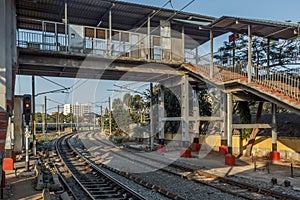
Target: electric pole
x=101 y=119
x=45 y=111
x=109 y=110
x=33 y=124
x=58 y=120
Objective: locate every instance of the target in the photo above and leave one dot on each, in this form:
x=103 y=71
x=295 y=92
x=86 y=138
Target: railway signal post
x=27 y=114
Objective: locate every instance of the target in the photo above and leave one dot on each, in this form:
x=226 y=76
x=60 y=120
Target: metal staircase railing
x=285 y=83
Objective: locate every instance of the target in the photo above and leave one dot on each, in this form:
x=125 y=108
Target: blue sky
x=96 y=91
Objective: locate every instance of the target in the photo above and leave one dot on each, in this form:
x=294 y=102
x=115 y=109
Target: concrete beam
x=241 y=126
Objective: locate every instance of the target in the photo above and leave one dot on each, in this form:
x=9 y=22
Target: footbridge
x=114 y=40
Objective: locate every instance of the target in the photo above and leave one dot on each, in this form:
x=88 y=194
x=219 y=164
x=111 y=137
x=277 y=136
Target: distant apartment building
x=77 y=109
x=67 y=109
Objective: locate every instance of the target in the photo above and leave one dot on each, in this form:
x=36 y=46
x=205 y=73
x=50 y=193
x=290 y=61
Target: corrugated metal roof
x=125 y=16
x=260 y=27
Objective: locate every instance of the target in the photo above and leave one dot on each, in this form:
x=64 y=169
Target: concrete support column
x=196 y=114
x=274 y=127
x=110 y=32
x=185 y=110
x=10 y=33
x=183 y=43
x=229 y=122
x=249 y=54
x=197 y=56
x=211 y=68
x=8 y=60
x=3 y=54
x=149 y=38
x=161 y=114
x=274 y=155
x=151 y=138
x=224 y=115
x=66 y=26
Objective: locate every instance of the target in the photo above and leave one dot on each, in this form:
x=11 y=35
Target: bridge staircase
x=282 y=88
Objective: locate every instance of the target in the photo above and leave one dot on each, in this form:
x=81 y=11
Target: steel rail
x=133 y=194
x=249 y=187
x=119 y=183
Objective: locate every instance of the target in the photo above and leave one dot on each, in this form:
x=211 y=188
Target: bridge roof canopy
x=263 y=28
x=130 y=16
x=125 y=16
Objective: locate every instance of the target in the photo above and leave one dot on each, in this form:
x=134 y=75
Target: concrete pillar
x=149 y=38
x=110 y=33
x=3 y=54
x=224 y=115
x=185 y=110
x=8 y=59
x=10 y=33
x=211 y=68
x=197 y=56
x=229 y=122
x=274 y=127
x=183 y=43
x=161 y=114
x=274 y=154
x=151 y=138
x=196 y=114
x=249 y=54
x=67 y=38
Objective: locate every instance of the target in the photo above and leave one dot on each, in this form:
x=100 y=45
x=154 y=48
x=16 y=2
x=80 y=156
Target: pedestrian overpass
x=114 y=40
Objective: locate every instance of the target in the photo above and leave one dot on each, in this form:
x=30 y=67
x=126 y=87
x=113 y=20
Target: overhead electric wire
x=152 y=15
x=53 y=82
x=79 y=85
x=55 y=101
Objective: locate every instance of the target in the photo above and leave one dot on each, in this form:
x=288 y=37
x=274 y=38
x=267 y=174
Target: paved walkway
x=215 y=163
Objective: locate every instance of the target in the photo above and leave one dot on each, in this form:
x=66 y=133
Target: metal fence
x=285 y=83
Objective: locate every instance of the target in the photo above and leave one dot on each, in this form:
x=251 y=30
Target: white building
x=67 y=109
x=77 y=109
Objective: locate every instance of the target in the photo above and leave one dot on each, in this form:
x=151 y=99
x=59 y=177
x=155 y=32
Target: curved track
x=94 y=182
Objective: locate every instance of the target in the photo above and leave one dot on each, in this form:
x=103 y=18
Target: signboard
x=233 y=37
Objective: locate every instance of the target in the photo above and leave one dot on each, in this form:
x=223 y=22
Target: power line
x=54 y=101
x=79 y=85
x=184 y=7
x=53 y=82
x=153 y=14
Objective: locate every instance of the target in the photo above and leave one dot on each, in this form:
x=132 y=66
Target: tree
x=121 y=120
x=280 y=51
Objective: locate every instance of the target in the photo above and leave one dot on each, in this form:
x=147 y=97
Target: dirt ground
x=20 y=187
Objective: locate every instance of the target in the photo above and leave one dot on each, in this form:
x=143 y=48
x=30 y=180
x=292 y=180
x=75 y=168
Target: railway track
x=94 y=182
x=224 y=184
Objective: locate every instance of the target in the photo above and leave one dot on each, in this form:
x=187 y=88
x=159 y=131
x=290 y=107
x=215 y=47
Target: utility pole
x=71 y=110
x=101 y=119
x=45 y=111
x=151 y=139
x=33 y=128
x=58 y=120
x=77 y=115
x=109 y=107
x=94 y=120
